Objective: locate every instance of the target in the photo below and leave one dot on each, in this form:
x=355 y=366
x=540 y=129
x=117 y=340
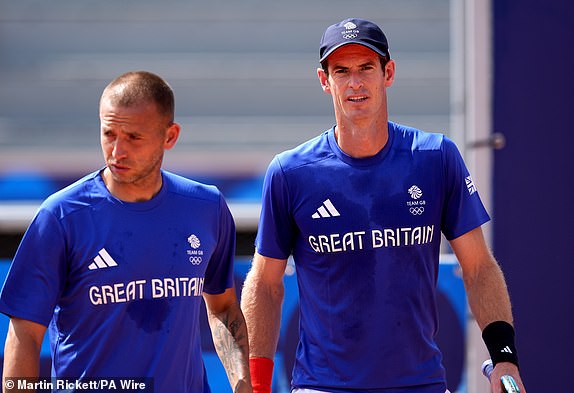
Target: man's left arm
x=487 y=295
x=229 y=333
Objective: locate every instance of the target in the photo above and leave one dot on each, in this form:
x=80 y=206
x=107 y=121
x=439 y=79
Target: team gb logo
x=415 y=192
x=193 y=241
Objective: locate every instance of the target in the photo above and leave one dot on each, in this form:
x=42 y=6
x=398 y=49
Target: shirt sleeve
x=463 y=210
x=37 y=273
x=276 y=230
x=219 y=272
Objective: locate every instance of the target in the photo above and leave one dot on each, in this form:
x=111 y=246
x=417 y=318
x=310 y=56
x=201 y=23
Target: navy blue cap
x=353 y=31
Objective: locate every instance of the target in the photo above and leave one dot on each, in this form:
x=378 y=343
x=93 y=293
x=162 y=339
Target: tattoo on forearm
x=230 y=341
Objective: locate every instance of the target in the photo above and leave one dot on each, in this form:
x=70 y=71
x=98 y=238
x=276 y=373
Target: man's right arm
x=22 y=349
x=261 y=302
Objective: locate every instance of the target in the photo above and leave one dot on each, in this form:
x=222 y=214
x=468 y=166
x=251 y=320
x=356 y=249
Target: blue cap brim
x=371 y=47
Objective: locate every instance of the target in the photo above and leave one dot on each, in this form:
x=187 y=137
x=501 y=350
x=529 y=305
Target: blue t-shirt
x=120 y=284
x=365 y=238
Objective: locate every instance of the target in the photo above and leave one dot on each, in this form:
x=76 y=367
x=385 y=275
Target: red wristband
x=261 y=370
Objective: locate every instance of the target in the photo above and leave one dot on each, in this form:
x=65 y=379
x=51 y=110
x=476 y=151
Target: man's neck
x=362 y=140
x=140 y=191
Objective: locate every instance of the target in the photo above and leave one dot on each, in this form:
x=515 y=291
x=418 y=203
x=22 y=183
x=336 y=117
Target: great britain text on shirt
x=142 y=289
x=374 y=238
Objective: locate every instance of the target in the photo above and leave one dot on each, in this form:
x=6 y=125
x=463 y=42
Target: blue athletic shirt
x=120 y=284
x=365 y=238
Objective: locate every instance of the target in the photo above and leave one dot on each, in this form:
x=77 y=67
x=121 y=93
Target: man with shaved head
x=116 y=265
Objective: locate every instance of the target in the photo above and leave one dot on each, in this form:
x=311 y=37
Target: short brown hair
x=136 y=87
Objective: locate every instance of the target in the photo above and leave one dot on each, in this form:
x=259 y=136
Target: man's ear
x=171 y=136
x=324 y=80
x=390 y=69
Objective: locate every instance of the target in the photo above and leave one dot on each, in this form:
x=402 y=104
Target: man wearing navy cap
x=361 y=209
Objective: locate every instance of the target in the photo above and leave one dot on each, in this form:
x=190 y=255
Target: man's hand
x=505 y=368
